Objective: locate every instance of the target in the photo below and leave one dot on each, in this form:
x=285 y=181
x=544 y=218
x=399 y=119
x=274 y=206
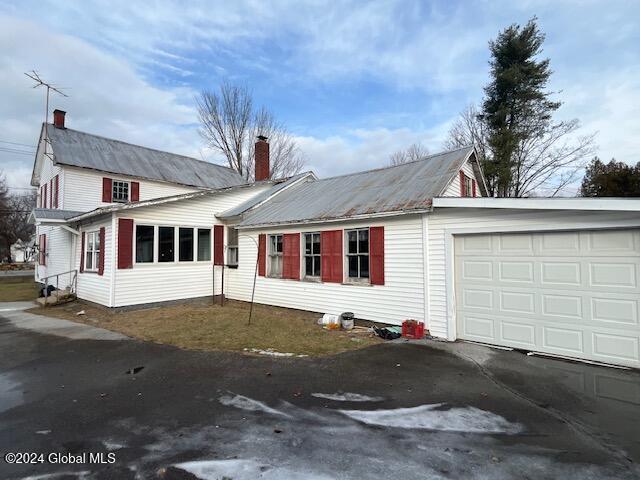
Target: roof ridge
x=147 y=148
x=425 y=158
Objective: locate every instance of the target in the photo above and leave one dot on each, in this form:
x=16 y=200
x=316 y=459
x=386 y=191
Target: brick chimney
x=58 y=118
x=262 y=159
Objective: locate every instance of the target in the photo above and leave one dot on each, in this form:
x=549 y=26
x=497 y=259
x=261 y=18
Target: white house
x=419 y=240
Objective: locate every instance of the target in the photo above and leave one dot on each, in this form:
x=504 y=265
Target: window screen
x=185 y=237
x=204 y=244
x=166 y=242
x=144 y=243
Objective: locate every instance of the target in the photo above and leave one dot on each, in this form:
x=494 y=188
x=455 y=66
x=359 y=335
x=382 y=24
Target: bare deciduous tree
x=416 y=151
x=230 y=124
x=14 y=213
x=542 y=165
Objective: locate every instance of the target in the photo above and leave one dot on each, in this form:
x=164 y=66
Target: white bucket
x=347 y=324
x=328 y=319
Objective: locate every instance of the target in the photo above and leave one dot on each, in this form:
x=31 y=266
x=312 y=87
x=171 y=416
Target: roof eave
x=551 y=203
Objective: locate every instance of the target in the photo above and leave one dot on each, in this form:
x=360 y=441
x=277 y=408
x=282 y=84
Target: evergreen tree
x=516 y=106
x=614 y=179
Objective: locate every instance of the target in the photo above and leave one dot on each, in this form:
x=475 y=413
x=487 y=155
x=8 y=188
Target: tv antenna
x=41 y=83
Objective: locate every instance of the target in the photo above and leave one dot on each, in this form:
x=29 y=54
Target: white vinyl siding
x=158 y=282
x=83 y=188
x=467 y=220
x=58 y=251
x=401 y=298
x=91 y=286
x=453 y=189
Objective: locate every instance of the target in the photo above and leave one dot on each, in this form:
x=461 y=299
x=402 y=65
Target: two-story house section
x=77 y=172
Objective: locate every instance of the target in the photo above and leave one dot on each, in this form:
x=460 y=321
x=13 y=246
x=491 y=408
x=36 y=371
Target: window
x=468 y=187
x=144 y=243
x=120 y=191
x=166 y=241
x=275 y=256
x=185 y=241
x=232 y=246
x=312 y=259
x=358 y=254
x=204 y=244
x=92 y=251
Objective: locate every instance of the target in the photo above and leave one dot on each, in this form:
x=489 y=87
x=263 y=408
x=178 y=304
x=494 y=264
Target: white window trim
x=113 y=186
x=269 y=255
x=468 y=185
x=347 y=278
x=229 y=247
x=176 y=244
x=303 y=246
x=95 y=254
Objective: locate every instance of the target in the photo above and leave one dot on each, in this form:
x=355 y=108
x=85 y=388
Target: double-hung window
x=275 y=256
x=468 y=187
x=92 y=252
x=120 y=191
x=166 y=244
x=145 y=239
x=358 y=254
x=185 y=240
x=204 y=244
x=232 y=246
x=312 y=259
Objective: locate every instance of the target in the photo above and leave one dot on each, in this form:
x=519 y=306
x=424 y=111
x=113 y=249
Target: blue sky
x=353 y=81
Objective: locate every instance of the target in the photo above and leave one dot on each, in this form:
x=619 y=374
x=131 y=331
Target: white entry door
x=572 y=293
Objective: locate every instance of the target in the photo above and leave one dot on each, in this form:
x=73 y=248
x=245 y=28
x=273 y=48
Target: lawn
x=201 y=326
x=14 y=289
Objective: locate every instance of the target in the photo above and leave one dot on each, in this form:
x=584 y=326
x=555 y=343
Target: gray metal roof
x=402 y=188
x=252 y=202
x=54 y=214
x=79 y=149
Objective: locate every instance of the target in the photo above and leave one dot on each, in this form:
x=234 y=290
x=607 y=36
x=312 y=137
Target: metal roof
x=54 y=214
x=264 y=196
x=79 y=149
x=402 y=189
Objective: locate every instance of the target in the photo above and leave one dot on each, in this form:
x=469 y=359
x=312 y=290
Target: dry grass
x=15 y=289
x=201 y=326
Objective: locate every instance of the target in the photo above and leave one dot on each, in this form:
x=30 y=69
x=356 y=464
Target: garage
x=574 y=294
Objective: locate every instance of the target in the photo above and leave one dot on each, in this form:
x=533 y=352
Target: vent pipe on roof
x=58 y=118
x=262 y=159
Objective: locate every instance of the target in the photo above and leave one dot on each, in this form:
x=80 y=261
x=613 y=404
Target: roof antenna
x=41 y=83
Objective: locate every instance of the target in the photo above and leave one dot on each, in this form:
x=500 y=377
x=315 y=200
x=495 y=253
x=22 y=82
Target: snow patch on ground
x=347 y=397
x=249 y=404
x=437 y=417
x=273 y=353
x=244 y=470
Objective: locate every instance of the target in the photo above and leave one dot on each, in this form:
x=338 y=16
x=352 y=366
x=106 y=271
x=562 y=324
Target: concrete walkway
x=15 y=313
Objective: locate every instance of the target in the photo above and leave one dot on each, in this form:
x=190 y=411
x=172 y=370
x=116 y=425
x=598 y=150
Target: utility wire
x=16 y=143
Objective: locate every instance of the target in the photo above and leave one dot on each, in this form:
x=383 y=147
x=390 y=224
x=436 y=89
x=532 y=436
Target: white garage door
x=572 y=293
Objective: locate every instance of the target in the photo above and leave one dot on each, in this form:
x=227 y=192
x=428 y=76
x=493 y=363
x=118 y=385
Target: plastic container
x=330 y=321
x=412 y=329
x=347 y=320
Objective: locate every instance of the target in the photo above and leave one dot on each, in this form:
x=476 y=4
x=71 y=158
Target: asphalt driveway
x=398 y=410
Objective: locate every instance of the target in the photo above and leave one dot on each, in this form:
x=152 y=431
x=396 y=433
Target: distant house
x=418 y=240
x=22 y=251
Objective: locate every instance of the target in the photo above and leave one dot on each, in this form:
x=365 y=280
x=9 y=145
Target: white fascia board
x=578 y=203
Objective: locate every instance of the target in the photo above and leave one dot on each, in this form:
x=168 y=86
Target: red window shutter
x=135 y=191
x=44 y=204
x=125 y=243
x=44 y=249
x=262 y=255
x=291 y=256
x=82 y=253
x=218 y=244
x=473 y=188
x=331 y=256
x=463 y=185
x=102 y=249
x=376 y=254
x=106 y=190
x=57 y=191
x=51 y=193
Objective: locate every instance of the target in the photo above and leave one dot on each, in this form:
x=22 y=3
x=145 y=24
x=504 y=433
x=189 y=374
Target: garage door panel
x=572 y=293
x=614 y=310
x=612 y=348
x=518 y=334
x=613 y=275
x=520 y=302
x=614 y=242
